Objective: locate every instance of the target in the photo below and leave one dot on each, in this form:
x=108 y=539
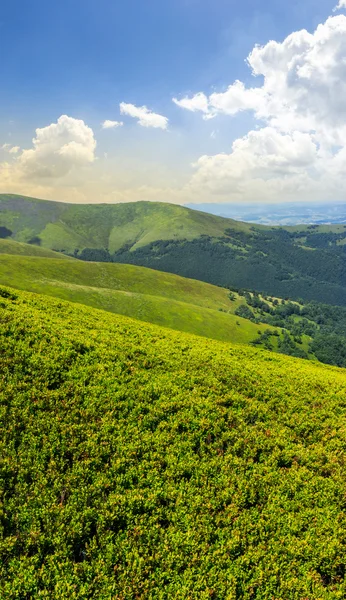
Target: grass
x=9 y=246
x=139 y=462
x=161 y=298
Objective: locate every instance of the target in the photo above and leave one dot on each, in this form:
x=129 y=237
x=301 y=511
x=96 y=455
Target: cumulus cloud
x=146 y=118
x=57 y=149
x=299 y=146
x=5 y=146
x=340 y=6
x=111 y=124
x=304 y=83
x=264 y=154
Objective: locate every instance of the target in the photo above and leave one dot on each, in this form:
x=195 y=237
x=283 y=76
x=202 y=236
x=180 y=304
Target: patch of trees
x=5 y=232
x=35 y=241
x=330 y=348
x=287 y=346
x=95 y=255
x=246 y=313
x=325 y=324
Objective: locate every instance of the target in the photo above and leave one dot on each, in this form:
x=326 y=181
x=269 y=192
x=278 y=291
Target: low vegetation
x=138 y=462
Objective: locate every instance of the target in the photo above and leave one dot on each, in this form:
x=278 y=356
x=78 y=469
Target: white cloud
x=14 y=150
x=146 y=118
x=5 y=146
x=236 y=99
x=340 y=6
x=304 y=84
x=58 y=149
x=111 y=124
x=198 y=102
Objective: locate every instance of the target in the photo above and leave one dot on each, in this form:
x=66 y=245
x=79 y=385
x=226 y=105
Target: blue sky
x=83 y=58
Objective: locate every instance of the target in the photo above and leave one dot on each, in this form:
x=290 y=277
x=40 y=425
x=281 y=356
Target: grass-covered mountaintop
x=65 y=227
x=306 y=261
x=143 y=463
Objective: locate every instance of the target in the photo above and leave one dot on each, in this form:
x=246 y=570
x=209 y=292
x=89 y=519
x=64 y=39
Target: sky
x=183 y=101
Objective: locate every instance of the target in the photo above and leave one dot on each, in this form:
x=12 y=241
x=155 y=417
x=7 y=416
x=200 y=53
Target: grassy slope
x=140 y=462
x=145 y=294
x=9 y=246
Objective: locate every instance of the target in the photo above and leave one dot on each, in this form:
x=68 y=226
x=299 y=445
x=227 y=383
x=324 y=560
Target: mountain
x=67 y=227
x=306 y=261
x=141 y=462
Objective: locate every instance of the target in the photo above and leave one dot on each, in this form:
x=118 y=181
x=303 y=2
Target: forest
x=323 y=323
x=278 y=262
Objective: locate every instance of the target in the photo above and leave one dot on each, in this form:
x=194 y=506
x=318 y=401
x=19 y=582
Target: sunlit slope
x=67 y=227
x=145 y=294
x=9 y=246
x=141 y=462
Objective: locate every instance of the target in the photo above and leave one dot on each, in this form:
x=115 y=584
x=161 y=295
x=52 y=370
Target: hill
x=306 y=261
x=140 y=462
x=145 y=294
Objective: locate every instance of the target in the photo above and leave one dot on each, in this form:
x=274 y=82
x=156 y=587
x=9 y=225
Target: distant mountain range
x=287 y=213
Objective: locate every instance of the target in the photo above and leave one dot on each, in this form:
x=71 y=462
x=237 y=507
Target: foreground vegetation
x=142 y=463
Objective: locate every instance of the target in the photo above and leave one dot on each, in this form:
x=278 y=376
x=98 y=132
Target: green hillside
x=9 y=246
x=66 y=227
x=138 y=462
x=145 y=294
x=307 y=262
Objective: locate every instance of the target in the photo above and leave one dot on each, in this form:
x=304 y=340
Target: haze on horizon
x=185 y=102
